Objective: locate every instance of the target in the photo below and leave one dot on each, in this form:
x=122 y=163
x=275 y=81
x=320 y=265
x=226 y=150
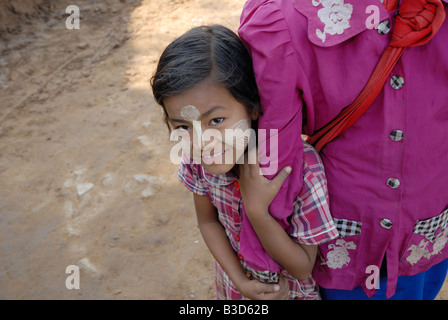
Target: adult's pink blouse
x=388 y=173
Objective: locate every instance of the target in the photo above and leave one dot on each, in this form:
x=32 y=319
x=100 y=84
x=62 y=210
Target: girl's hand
x=256 y=290
x=256 y=190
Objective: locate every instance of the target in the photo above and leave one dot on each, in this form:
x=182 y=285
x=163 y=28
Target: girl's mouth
x=210 y=158
x=214 y=156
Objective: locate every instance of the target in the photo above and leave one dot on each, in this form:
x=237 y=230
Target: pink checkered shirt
x=310 y=223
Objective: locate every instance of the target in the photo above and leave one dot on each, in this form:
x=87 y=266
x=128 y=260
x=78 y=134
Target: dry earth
x=85 y=176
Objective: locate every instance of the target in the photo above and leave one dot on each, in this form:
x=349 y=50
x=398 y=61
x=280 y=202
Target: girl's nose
x=211 y=139
x=197 y=135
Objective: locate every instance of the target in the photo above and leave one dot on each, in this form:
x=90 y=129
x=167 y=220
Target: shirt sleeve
x=188 y=174
x=311 y=222
x=265 y=32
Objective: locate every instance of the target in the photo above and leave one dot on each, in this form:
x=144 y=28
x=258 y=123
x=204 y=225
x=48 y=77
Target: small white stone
x=68 y=183
x=87 y=265
x=72 y=231
x=82 y=188
x=144 y=178
x=79 y=171
x=82 y=45
x=145 y=140
x=148 y=192
x=107 y=180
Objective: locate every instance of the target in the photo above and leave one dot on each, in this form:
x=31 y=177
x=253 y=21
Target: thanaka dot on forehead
x=190 y=113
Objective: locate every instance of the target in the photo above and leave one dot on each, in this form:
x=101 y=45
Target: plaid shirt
x=310 y=223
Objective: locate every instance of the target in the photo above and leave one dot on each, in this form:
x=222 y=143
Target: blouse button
x=237 y=238
x=394 y=183
x=397 y=82
x=240 y=256
x=237 y=185
x=384 y=27
x=386 y=223
x=396 y=135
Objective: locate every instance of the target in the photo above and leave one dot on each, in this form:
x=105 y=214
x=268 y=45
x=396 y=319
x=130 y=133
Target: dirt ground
x=85 y=176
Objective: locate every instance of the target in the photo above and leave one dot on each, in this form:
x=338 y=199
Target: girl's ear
x=254 y=115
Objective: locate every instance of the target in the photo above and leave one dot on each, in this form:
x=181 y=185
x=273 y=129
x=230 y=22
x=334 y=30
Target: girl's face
x=205 y=112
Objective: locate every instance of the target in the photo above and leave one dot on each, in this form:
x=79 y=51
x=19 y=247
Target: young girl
x=204 y=81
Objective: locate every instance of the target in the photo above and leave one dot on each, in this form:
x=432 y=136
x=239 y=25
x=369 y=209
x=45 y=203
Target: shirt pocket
x=340 y=252
x=428 y=239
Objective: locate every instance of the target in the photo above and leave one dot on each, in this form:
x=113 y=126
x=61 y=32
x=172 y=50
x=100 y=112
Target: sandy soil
x=85 y=176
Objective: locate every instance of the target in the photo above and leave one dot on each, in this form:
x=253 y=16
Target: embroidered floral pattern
x=335 y=14
x=421 y=250
x=339 y=256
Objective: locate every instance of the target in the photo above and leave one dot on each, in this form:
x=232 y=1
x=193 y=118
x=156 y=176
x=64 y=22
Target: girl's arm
x=258 y=192
x=216 y=239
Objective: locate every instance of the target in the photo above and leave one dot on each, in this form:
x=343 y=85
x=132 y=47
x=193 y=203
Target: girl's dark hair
x=206 y=51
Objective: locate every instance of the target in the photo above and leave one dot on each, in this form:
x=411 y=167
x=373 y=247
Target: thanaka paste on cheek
x=243 y=124
x=239 y=132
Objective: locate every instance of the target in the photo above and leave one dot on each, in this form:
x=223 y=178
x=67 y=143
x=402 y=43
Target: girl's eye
x=216 y=121
x=183 y=127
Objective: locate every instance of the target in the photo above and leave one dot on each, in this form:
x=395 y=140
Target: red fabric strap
x=390 y=5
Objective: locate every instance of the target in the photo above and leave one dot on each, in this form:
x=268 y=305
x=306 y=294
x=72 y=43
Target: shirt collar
x=214 y=179
x=331 y=22
x=219 y=179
